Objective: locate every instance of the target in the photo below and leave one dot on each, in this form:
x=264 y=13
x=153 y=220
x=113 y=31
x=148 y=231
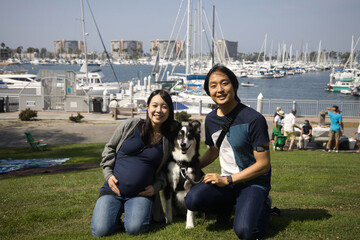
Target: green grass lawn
x=318 y=194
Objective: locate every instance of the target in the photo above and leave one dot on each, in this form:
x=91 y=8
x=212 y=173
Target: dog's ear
x=196 y=125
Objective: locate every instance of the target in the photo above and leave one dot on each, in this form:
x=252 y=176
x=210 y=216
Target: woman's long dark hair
x=166 y=127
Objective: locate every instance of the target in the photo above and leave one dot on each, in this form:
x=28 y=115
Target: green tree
x=313 y=55
x=30 y=50
x=43 y=52
x=333 y=54
x=3 y=45
x=19 y=51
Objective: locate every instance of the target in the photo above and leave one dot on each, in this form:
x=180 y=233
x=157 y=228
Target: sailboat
x=91 y=82
x=347 y=80
x=188 y=84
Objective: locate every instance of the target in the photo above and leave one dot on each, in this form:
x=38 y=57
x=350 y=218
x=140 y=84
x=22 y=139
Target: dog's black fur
x=183 y=171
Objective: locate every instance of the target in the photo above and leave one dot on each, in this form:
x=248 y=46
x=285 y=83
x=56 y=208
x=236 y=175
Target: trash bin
x=2 y=104
x=97 y=102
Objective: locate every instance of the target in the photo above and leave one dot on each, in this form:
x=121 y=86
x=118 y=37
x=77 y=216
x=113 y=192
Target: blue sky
x=37 y=23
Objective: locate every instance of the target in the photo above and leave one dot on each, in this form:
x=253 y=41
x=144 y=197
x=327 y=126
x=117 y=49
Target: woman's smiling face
x=158 y=111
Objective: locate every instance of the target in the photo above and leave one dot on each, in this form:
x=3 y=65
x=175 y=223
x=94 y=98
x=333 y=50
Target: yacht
x=3 y=85
x=16 y=77
x=94 y=85
x=247 y=84
x=347 y=81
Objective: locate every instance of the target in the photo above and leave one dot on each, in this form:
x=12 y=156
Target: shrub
x=182 y=116
x=27 y=115
x=76 y=118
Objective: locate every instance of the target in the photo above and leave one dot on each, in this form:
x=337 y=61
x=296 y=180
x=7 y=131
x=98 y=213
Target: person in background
x=277 y=125
x=289 y=127
x=133 y=162
x=244 y=156
x=113 y=105
x=278 y=109
x=305 y=135
x=358 y=137
x=275 y=114
x=336 y=127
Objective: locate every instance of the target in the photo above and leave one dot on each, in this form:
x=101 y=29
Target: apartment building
x=126 y=49
x=225 y=49
x=172 y=49
x=68 y=47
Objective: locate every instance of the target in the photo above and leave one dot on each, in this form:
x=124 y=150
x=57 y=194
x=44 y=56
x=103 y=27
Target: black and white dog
x=183 y=172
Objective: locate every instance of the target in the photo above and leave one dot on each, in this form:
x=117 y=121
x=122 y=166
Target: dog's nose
x=182 y=145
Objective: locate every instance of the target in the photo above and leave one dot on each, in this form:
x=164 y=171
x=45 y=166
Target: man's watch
x=229 y=179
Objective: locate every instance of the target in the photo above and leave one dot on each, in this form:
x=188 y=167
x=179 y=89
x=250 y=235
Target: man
x=305 y=135
x=336 y=127
x=358 y=137
x=113 y=105
x=289 y=127
x=244 y=159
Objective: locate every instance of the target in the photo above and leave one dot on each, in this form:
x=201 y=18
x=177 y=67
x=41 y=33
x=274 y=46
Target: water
x=7 y=165
x=308 y=86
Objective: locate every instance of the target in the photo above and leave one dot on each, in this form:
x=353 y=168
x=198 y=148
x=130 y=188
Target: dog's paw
x=189 y=226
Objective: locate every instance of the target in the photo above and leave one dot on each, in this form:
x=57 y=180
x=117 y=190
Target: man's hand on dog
x=215 y=179
x=112 y=181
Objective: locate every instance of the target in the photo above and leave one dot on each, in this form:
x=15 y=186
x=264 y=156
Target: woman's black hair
x=147 y=128
x=228 y=73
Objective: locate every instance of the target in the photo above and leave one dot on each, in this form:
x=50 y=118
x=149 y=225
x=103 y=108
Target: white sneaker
x=329 y=150
x=336 y=151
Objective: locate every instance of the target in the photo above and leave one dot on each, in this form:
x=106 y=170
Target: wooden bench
x=127 y=111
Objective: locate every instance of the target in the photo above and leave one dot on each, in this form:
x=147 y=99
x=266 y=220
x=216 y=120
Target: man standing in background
x=336 y=127
x=289 y=127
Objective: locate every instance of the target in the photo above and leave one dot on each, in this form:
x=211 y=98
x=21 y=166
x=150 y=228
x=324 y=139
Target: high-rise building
x=126 y=49
x=225 y=49
x=172 y=49
x=68 y=47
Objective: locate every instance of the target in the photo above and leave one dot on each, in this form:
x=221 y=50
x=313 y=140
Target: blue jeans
x=252 y=213
x=109 y=208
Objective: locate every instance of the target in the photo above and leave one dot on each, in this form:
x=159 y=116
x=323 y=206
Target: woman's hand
x=112 y=181
x=215 y=179
x=148 y=192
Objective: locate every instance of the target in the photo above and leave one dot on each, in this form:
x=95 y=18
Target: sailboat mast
x=188 y=38
x=265 y=40
x=319 y=53
x=352 y=52
x=200 y=33
x=84 y=38
x=213 y=39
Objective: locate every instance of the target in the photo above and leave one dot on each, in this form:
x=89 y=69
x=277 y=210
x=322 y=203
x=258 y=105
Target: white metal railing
x=310 y=108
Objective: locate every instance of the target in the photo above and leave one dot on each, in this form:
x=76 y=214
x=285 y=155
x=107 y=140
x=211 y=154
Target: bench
x=127 y=111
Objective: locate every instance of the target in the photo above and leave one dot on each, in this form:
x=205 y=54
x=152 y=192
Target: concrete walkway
x=56 y=128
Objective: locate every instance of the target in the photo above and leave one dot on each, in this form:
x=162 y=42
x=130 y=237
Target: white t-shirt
x=277 y=119
x=289 y=122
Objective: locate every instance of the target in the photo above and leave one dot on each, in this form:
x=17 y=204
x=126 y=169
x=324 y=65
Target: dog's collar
x=183 y=164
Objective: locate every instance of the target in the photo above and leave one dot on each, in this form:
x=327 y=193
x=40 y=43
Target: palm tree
x=19 y=50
